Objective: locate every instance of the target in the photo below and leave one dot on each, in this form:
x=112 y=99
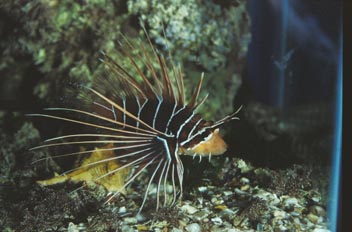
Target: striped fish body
x=149 y=123
x=184 y=127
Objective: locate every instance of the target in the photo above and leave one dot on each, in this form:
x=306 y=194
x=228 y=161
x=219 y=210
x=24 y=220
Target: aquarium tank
x=184 y=115
x=295 y=72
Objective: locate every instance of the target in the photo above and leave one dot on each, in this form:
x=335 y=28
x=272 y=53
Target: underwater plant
x=143 y=123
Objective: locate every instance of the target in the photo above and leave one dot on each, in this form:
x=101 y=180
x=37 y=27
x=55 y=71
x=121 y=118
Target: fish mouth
x=213 y=144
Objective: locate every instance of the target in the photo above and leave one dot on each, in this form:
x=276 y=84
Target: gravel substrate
x=251 y=199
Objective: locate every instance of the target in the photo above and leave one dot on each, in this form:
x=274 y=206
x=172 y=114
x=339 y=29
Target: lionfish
x=149 y=122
